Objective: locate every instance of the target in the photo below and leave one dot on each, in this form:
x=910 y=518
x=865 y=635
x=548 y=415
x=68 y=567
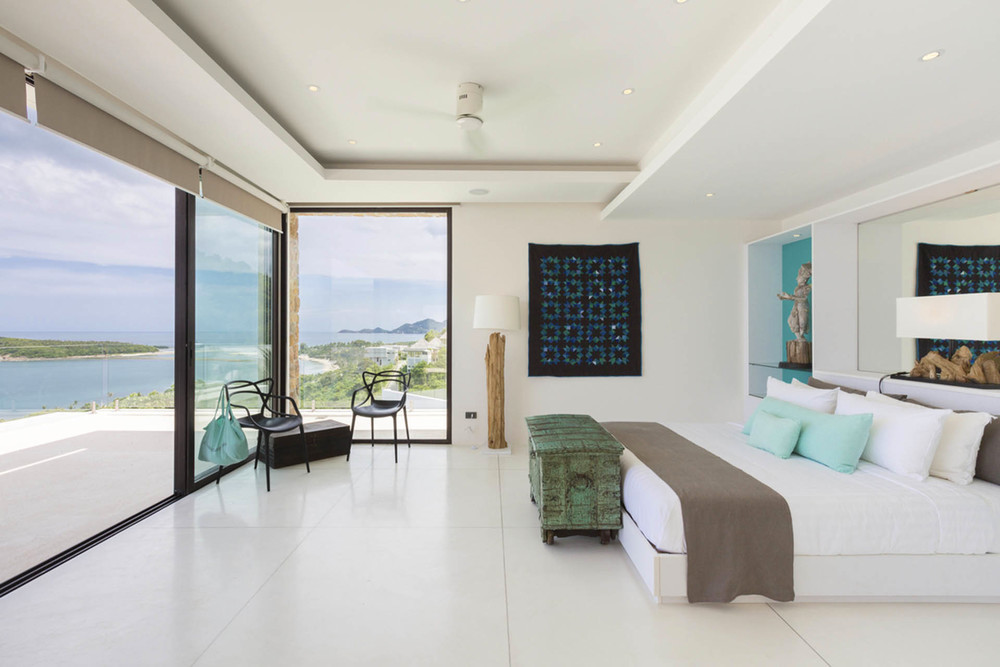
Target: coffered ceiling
x=773 y=107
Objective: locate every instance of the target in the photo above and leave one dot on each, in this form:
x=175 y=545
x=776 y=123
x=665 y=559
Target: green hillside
x=29 y=348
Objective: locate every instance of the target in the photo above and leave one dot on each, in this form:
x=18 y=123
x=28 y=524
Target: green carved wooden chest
x=575 y=473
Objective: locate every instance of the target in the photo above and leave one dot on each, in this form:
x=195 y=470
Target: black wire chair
x=266 y=412
x=372 y=407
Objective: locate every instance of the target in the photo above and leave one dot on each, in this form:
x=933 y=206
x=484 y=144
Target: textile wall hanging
x=584 y=314
x=957 y=269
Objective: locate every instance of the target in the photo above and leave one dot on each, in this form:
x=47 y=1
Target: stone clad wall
x=293 y=305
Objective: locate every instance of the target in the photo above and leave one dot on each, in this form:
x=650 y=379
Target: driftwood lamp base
x=494 y=390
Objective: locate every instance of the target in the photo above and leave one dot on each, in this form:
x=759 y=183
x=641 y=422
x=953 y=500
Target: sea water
x=27 y=387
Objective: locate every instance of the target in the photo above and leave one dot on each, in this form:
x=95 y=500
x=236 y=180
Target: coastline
x=325 y=363
x=158 y=353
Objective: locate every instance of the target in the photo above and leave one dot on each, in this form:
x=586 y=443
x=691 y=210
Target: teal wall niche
x=793 y=255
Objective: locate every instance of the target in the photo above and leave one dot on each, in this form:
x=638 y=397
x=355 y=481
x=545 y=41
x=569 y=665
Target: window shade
x=12 y=93
x=223 y=192
x=65 y=113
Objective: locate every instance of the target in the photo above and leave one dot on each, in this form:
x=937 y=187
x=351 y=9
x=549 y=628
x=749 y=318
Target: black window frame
x=184 y=459
x=447 y=211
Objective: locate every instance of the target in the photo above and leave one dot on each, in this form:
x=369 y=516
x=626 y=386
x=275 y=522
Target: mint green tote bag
x=224 y=442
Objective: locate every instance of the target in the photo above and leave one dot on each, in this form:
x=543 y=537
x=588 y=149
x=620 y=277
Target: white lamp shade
x=497 y=313
x=949 y=317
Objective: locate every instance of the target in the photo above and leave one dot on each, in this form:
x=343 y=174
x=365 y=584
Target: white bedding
x=871 y=511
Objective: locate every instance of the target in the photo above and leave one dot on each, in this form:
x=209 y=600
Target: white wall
x=693 y=303
x=880 y=280
x=835 y=297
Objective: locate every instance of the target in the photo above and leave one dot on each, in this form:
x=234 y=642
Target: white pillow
x=901 y=440
x=955 y=459
x=820 y=400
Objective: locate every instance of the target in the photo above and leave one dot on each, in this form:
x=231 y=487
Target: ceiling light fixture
x=795 y=236
x=628 y=91
x=709 y=194
x=477 y=191
x=681 y=2
x=313 y=88
x=352 y=141
x=933 y=55
x=597 y=144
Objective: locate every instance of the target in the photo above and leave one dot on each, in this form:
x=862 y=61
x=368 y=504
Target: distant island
x=421 y=327
x=24 y=349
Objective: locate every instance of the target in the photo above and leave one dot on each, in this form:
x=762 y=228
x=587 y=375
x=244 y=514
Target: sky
x=400 y=276
x=87 y=244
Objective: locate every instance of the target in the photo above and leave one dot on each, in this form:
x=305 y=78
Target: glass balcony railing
x=38 y=376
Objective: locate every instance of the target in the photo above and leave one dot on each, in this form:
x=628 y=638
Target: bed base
x=880 y=578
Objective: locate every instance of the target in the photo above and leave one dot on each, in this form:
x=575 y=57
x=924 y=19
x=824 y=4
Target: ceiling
x=775 y=107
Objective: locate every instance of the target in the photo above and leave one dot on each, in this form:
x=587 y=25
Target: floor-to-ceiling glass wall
x=234 y=309
x=86 y=343
x=372 y=289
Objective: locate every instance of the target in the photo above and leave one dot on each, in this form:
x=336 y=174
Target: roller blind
x=65 y=113
x=12 y=95
x=223 y=192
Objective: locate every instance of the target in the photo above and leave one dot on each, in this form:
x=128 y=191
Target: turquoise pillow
x=774 y=434
x=836 y=441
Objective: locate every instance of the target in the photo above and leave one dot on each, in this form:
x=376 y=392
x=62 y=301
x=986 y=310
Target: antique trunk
x=575 y=474
x=323 y=438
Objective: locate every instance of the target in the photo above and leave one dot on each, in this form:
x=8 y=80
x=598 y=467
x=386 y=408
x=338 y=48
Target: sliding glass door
x=234 y=298
x=87 y=268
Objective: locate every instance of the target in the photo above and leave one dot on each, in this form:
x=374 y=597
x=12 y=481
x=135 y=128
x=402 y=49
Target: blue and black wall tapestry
x=956 y=269
x=584 y=315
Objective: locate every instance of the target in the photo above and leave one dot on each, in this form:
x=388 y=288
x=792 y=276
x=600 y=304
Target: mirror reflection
x=891 y=252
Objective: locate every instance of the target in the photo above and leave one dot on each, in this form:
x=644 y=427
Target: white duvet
x=871 y=511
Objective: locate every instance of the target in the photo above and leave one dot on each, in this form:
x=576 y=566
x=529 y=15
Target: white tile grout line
x=252 y=595
x=813 y=648
x=271 y=576
x=503 y=556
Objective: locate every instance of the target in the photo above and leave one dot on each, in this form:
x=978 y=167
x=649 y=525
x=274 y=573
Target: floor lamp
x=503 y=313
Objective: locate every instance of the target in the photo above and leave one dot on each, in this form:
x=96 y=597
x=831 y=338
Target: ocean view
x=27 y=387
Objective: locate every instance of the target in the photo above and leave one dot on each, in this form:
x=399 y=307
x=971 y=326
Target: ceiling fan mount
x=470 y=106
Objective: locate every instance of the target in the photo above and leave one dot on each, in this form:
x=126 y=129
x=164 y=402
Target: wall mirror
x=887 y=267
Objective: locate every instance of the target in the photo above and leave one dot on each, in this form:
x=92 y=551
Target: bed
x=870 y=535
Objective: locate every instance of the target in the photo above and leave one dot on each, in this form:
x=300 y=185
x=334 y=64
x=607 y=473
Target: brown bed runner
x=738 y=530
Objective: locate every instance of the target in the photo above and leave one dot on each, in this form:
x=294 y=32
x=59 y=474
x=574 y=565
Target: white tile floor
x=434 y=561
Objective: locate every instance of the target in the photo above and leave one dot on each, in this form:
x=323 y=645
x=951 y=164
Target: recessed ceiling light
x=352 y=141
x=477 y=191
x=709 y=194
x=597 y=144
x=681 y=2
x=628 y=91
x=313 y=88
x=795 y=236
x=931 y=56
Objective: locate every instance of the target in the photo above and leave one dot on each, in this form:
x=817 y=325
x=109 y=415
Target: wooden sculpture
x=494 y=390
x=799 y=351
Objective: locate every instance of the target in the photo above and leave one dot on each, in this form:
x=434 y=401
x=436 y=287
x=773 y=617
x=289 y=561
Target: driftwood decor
x=494 y=390
x=985 y=370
